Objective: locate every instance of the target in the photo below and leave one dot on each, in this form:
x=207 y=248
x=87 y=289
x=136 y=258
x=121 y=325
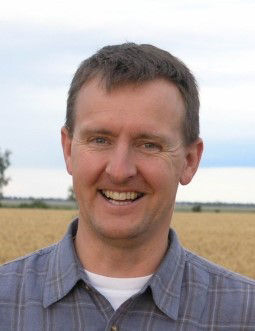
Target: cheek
x=86 y=167
x=157 y=172
x=163 y=175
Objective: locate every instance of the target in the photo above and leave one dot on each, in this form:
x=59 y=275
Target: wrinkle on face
x=128 y=139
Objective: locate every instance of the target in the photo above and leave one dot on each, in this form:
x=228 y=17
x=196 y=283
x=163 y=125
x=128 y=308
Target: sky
x=43 y=42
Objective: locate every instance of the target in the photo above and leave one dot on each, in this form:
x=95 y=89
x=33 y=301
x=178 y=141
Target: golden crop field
x=225 y=238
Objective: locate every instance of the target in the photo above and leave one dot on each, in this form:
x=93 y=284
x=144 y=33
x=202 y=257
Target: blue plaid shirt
x=49 y=290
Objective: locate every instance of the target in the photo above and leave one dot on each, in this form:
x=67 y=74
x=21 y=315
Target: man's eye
x=100 y=140
x=151 y=146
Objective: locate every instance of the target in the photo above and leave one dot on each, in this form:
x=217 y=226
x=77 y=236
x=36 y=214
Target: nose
x=121 y=165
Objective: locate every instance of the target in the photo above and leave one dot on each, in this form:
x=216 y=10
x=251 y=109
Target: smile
x=121 y=197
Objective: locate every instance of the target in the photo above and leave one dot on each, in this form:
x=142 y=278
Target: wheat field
x=224 y=238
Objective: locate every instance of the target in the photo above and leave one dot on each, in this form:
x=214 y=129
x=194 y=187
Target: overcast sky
x=42 y=43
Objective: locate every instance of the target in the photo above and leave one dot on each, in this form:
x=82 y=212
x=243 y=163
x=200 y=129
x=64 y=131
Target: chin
x=114 y=233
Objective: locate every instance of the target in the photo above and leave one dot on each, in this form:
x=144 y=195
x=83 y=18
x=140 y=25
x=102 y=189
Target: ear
x=192 y=158
x=66 y=141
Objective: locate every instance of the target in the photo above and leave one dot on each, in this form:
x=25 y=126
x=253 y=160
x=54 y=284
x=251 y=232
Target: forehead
x=153 y=103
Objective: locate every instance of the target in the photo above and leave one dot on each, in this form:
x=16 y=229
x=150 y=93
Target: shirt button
x=114 y=328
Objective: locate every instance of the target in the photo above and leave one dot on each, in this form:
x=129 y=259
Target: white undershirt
x=117 y=290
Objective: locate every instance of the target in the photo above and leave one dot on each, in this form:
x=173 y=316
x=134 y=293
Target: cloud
x=40 y=183
x=220 y=184
x=208 y=185
x=45 y=41
x=214 y=16
x=227 y=112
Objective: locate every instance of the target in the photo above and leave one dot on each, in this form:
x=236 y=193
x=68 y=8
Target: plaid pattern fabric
x=49 y=291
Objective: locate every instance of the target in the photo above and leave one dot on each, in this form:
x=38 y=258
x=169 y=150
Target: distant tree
x=71 y=194
x=4 y=164
x=36 y=203
x=197 y=208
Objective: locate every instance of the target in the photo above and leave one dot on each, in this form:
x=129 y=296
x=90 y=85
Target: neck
x=120 y=259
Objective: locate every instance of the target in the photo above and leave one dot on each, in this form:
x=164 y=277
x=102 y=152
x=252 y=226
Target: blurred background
x=43 y=42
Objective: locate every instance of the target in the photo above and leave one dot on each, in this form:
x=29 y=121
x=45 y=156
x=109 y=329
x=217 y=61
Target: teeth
x=120 y=195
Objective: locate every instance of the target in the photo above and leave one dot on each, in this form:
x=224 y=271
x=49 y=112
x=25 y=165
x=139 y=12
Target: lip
x=126 y=206
x=115 y=196
x=119 y=190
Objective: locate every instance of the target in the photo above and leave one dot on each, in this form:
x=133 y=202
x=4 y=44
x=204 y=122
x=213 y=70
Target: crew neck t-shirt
x=116 y=290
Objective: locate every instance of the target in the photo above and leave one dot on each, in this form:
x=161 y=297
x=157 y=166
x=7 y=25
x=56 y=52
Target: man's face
x=127 y=158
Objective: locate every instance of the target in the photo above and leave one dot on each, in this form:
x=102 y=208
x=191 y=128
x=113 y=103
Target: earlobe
x=66 y=141
x=193 y=157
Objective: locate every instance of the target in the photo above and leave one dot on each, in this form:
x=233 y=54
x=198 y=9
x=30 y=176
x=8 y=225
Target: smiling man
x=131 y=137
x=127 y=154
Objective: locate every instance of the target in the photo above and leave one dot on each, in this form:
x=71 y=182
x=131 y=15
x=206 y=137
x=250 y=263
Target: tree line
x=4 y=164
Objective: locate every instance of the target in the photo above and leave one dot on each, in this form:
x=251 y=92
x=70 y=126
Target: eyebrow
x=86 y=131
x=90 y=131
x=153 y=136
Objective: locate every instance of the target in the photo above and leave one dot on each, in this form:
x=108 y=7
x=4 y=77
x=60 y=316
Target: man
x=131 y=136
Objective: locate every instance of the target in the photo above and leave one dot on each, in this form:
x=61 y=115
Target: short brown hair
x=131 y=63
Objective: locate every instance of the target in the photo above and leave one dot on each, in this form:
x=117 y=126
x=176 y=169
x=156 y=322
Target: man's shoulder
x=33 y=259
x=30 y=269
x=214 y=272
x=217 y=296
